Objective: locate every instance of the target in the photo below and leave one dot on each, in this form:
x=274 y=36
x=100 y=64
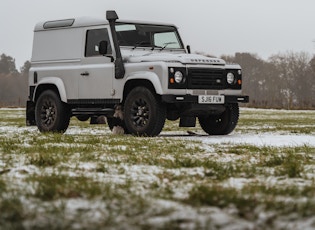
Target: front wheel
x=222 y=124
x=51 y=114
x=144 y=114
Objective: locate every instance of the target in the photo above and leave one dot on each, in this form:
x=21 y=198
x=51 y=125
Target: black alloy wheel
x=144 y=114
x=51 y=114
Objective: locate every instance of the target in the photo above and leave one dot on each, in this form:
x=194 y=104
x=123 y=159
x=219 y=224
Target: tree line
x=283 y=81
x=13 y=82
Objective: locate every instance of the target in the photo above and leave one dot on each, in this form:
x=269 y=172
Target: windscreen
x=142 y=35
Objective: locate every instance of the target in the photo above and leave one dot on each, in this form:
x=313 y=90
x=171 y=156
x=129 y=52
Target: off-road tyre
x=222 y=124
x=144 y=114
x=51 y=114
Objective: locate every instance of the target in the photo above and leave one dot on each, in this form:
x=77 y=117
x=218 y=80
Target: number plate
x=211 y=99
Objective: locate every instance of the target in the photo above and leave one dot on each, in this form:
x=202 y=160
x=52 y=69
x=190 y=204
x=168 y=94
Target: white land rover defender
x=86 y=67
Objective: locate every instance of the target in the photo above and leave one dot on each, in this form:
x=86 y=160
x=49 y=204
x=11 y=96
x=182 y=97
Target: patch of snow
x=261 y=140
x=237 y=183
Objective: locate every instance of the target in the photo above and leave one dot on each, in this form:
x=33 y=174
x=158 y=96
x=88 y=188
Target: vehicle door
x=97 y=71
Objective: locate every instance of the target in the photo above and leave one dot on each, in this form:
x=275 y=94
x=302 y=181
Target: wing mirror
x=102 y=48
x=188 y=49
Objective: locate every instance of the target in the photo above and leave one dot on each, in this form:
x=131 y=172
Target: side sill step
x=93 y=111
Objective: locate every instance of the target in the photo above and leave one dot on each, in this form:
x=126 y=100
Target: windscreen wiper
x=141 y=43
x=166 y=44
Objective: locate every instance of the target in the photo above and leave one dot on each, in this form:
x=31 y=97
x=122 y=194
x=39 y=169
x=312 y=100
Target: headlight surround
x=233 y=78
x=179 y=77
x=230 y=78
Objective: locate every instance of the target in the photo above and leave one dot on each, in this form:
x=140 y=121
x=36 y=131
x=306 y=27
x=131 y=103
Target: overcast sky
x=262 y=27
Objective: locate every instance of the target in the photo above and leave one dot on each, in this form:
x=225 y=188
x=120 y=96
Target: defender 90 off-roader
x=85 y=67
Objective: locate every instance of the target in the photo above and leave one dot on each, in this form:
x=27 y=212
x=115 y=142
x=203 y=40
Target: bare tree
x=294 y=78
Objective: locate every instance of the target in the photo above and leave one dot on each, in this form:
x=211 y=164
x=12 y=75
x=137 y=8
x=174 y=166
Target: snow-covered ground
x=263 y=139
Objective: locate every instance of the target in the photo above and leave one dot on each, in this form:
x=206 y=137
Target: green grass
x=12 y=213
x=89 y=178
x=295 y=122
x=53 y=187
x=255 y=197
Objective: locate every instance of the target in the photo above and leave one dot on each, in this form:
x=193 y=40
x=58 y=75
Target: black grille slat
x=206 y=78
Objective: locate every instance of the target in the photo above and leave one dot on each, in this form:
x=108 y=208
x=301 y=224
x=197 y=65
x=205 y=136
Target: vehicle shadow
x=188 y=134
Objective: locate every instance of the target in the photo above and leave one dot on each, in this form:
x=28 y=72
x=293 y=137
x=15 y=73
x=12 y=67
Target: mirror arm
x=188 y=49
x=112 y=59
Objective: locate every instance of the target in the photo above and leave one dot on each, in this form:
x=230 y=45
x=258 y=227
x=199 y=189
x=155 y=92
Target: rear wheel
x=83 y=117
x=144 y=114
x=51 y=114
x=222 y=124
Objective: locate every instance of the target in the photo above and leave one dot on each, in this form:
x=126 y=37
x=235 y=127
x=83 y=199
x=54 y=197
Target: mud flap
x=30 y=113
x=187 y=121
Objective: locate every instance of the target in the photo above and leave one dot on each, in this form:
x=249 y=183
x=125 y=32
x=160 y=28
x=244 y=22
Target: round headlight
x=179 y=77
x=230 y=78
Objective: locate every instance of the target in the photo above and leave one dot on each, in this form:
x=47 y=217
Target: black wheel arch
x=41 y=88
x=131 y=84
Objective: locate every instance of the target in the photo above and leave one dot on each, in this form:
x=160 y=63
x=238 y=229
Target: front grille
x=206 y=78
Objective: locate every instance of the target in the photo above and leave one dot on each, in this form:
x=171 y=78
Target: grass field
x=89 y=178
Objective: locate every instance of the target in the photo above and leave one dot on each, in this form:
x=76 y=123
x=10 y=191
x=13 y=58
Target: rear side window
x=93 y=39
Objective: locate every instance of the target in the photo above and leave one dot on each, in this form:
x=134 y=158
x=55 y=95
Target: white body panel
x=57 y=45
x=58 y=58
x=98 y=83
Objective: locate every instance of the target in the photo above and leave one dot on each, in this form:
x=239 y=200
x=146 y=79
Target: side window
x=93 y=38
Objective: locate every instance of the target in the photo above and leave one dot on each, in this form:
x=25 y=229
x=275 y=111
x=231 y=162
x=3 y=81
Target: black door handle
x=85 y=73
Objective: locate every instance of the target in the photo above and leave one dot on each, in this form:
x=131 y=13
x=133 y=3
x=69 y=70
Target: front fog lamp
x=179 y=77
x=230 y=78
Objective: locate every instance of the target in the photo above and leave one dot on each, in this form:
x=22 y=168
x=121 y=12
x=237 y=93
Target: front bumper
x=229 y=99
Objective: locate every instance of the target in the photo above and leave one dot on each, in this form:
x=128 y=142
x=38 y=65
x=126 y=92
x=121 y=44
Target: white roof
x=84 y=22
